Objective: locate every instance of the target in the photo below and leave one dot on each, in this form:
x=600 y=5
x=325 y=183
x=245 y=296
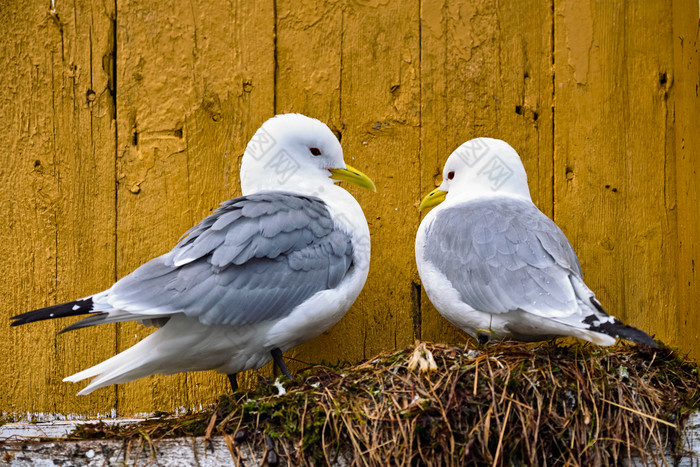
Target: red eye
x=315 y=151
x=450 y=175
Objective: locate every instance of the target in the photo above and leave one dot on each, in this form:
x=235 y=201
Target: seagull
x=495 y=266
x=265 y=272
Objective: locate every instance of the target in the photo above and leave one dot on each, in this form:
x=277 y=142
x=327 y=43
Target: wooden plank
x=686 y=101
x=380 y=109
x=614 y=155
x=19 y=451
x=192 y=89
x=617 y=164
x=332 y=90
x=57 y=202
x=168 y=451
x=486 y=71
x=308 y=81
x=308 y=52
x=235 y=100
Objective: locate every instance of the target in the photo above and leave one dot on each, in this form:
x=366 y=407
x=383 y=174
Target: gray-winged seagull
x=494 y=265
x=265 y=272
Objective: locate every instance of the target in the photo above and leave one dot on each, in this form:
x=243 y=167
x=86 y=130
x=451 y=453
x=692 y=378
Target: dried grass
x=435 y=404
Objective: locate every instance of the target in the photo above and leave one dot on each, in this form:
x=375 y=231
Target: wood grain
x=124 y=124
x=684 y=100
x=310 y=29
x=614 y=192
x=192 y=91
x=486 y=71
x=57 y=200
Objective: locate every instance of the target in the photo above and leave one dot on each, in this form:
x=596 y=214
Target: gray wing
x=503 y=255
x=255 y=259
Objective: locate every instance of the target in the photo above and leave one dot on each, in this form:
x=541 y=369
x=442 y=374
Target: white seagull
x=265 y=272
x=495 y=266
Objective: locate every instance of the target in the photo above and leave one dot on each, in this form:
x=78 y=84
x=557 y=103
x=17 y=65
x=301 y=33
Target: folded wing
x=254 y=259
x=503 y=255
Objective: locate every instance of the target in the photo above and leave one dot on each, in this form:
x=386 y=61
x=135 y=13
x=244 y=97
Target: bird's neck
x=460 y=197
x=312 y=184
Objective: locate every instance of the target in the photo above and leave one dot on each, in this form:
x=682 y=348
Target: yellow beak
x=353 y=176
x=433 y=198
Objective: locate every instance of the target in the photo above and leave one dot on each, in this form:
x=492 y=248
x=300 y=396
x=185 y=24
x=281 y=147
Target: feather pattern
x=503 y=254
x=254 y=259
x=490 y=260
x=265 y=272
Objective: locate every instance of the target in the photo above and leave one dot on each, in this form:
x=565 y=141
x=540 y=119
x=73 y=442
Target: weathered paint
x=194 y=83
x=599 y=98
x=486 y=71
x=57 y=199
x=614 y=181
x=686 y=140
x=197 y=451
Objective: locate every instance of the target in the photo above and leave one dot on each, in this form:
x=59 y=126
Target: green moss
x=544 y=403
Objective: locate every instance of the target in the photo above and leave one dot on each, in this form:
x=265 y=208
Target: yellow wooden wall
x=123 y=123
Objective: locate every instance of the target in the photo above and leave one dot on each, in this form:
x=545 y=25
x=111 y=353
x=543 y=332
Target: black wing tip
x=619 y=330
x=62 y=310
x=638 y=336
x=23 y=318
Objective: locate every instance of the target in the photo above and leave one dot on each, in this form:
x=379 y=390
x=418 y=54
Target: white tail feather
x=133 y=363
x=182 y=344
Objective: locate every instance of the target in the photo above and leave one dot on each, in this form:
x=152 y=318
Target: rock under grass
x=434 y=404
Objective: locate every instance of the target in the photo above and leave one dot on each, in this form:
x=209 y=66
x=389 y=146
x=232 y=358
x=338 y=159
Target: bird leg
x=234 y=382
x=277 y=357
x=483 y=336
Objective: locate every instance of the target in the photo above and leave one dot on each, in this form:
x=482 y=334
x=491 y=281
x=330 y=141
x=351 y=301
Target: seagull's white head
x=292 y=152
x=479 y=168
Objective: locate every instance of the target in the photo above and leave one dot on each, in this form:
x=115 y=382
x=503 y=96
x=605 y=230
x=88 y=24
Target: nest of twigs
x=435 y=404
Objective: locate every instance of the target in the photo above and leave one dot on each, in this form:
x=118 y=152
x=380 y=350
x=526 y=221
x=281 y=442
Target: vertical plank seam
x=417 y=312
x=76 y=118
x=499 y=69
x=554 y=90
x=56 y=175
x=275 y=67
x=113 y=71
x=92 y=82
x=670 y=222
x=340 y=74
x=627 y=164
